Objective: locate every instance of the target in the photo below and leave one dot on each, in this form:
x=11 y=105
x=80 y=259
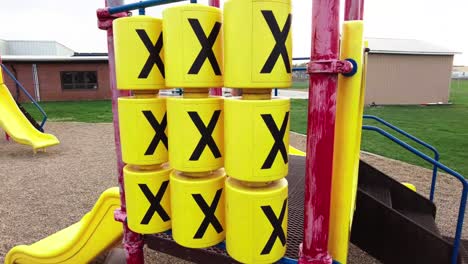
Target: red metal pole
x=215 y=91
x=320 y=134
x=7 y=137
x=132 y=242
x=214 y=3
x=354 y=10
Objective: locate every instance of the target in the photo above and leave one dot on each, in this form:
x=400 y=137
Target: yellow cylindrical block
x=256 y=221
x=139 y=55
x=256 y=139
x=257 y=44
x=143 y=130
x=148 y=199
x=197 y=131
x=347 y=137
x=193 y=46
x=197 y=206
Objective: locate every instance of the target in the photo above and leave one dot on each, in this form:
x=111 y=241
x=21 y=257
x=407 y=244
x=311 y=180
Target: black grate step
x=165 y=243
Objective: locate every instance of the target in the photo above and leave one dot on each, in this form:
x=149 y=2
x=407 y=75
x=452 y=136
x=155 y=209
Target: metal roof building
x=406 y=71
x=34 y=48
x=51 y=71
x=43 y=50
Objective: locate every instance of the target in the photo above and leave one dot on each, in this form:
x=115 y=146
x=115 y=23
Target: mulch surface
x=46 y=192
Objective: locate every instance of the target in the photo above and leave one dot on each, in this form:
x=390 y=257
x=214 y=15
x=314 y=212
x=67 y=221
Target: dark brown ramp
x=395 y=224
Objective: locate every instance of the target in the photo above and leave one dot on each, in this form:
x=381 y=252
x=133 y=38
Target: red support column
x=214 y=3
x=133 y=242
x=354 y=10
x=7 y=137
x=215 y=91
x=320 y=134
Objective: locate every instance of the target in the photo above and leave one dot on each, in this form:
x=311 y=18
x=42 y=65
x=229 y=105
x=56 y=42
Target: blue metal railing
x=299 y=69
x=44 y=119
x=140 y=5
x=417 y=140
x=461 y=211
x=301 y=58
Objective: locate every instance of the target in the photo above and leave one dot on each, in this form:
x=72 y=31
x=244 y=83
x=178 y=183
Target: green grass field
x=76 y=111
x=300 y=85
x=445 y=127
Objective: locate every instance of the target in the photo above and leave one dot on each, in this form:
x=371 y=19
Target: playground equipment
x=17 y=122
x=79 y=243
x=236 y=182
x=256 y=59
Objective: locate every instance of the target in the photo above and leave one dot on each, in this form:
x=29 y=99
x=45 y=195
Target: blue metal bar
x=138 y=5
x=44 y=119
x=301 y=58
x=433 y=149
x=299 y=69
x=461 y=211
x=141 y=11
x=286 y=260
x=193 y=1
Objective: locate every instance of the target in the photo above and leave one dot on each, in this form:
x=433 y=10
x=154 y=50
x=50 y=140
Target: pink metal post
x=215 y=91
x=320 y=133
x=7 y=137
x=354 y=10
x=133 y=242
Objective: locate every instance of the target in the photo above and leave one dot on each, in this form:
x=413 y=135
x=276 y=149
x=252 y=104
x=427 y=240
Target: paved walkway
x=293 y=93
x=281 y=92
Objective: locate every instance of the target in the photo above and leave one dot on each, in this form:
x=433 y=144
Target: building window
x=79 y=80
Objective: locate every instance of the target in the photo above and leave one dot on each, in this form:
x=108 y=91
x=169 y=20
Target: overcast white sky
x=74 y=23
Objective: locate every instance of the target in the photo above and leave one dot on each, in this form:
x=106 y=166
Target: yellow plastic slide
x=79 y=243
x=17 y=125
x=295 y=151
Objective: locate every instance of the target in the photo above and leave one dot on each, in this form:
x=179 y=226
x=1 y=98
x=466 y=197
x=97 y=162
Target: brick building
x=52 y=72
x=400 y=71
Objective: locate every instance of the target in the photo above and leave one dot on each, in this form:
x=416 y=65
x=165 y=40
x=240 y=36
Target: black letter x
x=278 y=231
x=155 y=205
x=280 y=46
x=205 y=131
x=209 y=211
x=278 y=136
x=159 y=129
x=154 y=51
x=207 y=44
